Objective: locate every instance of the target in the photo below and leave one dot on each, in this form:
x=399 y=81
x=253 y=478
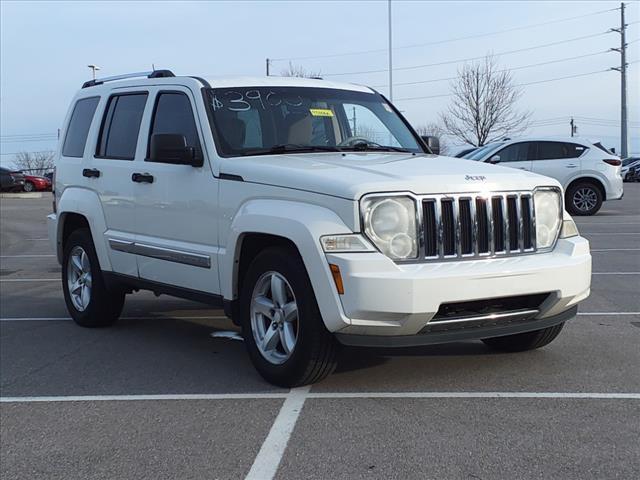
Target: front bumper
x=384 y=298
x=477 y=333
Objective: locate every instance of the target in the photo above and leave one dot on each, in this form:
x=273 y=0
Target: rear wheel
x=524 y=341
x=281 y=323
x=89 y=301
x=583 y=199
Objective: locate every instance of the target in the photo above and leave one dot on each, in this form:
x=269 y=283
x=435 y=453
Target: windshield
x=264 y=120
x=480 y=153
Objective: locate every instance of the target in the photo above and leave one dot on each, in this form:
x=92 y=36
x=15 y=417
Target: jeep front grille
x=473 y=225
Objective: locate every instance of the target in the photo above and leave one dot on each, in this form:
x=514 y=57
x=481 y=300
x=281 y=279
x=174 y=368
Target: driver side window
x=366 y=124
x=517 y=152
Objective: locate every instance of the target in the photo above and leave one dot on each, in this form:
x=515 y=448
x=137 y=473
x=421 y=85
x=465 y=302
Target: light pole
x=93 y=70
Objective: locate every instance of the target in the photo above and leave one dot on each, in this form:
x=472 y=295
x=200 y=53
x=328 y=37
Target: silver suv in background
x=588 y=172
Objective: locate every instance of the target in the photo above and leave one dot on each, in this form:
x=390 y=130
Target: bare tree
x=34 y=163
x=483 y=108
x=299 y=71
x=435 y=130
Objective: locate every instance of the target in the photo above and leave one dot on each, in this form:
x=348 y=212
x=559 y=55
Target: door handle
x=91 y=172
x=142 y=178
x=523 y=168
x=571 y=166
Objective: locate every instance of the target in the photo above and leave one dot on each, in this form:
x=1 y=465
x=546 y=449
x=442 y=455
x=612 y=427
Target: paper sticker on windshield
x=387 y=107
x=321 y=112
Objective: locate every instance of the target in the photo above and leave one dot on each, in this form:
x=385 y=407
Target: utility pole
x=624 y=142
x=390 y=59
x=574 y=127
x=268 y=62
x=354 y=121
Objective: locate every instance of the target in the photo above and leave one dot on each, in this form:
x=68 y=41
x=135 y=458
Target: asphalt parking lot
x=157 y=397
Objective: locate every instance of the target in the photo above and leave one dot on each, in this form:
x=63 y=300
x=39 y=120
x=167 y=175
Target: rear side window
x=78 y=128
x=121 y=125
x=173 y=114
x=558 y=150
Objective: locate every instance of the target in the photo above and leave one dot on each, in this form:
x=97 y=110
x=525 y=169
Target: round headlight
x=548 y=217
x=390 y=223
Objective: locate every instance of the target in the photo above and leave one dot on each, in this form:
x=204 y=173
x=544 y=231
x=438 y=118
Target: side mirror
x=495 y=159
x=172 y=148
x=433 y=143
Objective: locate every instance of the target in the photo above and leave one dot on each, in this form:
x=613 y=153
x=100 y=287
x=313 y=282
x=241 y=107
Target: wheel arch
x=81 y=208
x=589 y=179
x=261 y=224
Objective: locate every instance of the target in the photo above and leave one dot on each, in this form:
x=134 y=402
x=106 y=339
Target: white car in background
x=628 y=166
x=588 y=172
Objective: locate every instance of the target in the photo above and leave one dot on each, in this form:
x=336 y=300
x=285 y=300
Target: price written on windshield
x=241 y=101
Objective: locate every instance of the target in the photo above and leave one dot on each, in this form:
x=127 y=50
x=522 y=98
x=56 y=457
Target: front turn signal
x=337 y=278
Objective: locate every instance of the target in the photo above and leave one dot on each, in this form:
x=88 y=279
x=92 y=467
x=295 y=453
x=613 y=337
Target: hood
x=354 y=174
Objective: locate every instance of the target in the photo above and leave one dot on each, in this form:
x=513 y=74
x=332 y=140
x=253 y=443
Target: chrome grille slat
x=496 y=223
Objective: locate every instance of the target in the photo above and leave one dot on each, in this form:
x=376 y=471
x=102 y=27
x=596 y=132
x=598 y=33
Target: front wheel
x=29 y=187
x=521 y=342
x=281 y=323
x=583 y=199
x=89 y=301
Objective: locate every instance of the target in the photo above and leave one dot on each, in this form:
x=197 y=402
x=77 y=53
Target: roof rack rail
x=151 y=74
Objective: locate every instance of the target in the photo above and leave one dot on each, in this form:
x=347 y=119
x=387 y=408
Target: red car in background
x=34 y=183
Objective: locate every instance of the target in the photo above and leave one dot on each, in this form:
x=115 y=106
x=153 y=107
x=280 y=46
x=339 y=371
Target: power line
x=439 y=42
x=449 y=62
x=503 y=70
x=16 y=153
x=519 y=85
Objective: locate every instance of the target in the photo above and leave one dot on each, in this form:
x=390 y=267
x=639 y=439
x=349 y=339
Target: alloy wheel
x=585 y=199
x=79 y=278
x=274 y=317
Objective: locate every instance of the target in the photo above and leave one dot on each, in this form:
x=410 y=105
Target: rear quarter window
x=78 y=128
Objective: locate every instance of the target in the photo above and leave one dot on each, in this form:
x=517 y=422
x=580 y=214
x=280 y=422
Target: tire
x=29 y=187
x=583 y=199
x=99 y=306
x=313 y=355
x=521 y=342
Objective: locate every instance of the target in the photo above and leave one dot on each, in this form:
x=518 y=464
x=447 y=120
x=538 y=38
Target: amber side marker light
x=337 y=278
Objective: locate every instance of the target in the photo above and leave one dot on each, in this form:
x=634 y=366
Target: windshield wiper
x=292 y=148
x=362 y=147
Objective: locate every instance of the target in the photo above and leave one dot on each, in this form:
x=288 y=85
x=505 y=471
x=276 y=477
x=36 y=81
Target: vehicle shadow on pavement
x=354 y=358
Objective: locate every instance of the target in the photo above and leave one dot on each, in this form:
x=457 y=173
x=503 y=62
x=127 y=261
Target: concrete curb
x=21 y=195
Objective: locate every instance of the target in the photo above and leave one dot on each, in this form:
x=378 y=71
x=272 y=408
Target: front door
x=176 y=204
x=516 y=155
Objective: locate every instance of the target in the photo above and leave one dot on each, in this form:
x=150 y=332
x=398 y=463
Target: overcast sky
x=45 y=47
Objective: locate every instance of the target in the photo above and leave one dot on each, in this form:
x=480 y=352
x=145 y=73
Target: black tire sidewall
x=573 y=210
x=104 y=305
x=311 y=329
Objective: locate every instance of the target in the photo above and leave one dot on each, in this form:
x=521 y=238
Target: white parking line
x=26 y=256
x=65 y=319
x=133 y=398
x=607 y=313
x=270 y=455
x=29 y=280
x=611 y=234
x=615 y=273
x=294 y=401
x=615 y=249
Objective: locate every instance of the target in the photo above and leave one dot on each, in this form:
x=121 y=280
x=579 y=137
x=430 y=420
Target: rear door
x=176 y=205
x=559 y=160
x=516 y=155
x=108 y=170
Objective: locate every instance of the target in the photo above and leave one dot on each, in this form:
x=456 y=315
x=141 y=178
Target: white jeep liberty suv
x=312 y=212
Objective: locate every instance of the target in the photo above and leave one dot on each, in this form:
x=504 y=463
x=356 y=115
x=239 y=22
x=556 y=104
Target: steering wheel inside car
x=353 y=141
